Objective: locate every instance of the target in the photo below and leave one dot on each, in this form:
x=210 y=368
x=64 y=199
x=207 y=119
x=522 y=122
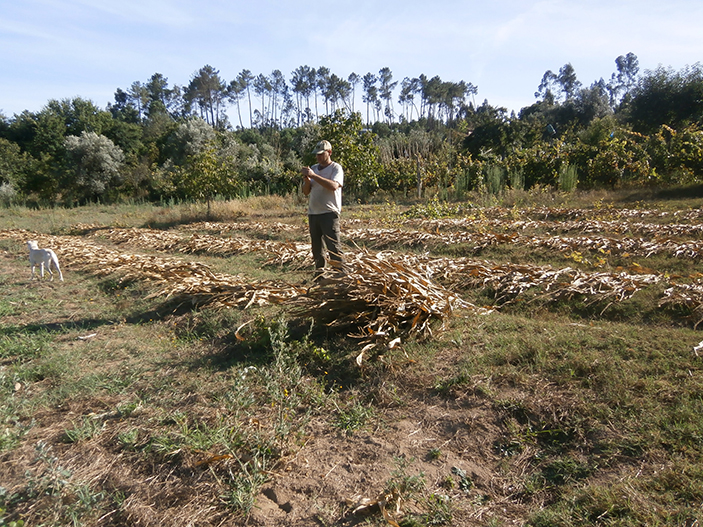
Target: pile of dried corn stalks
x=385 y=294
x=288 y=252
x=587 y=226
x=382 y=296
x=278 y=251
x=564 y=213
x=379 y=299
x=511 y=281
x=480 y=240
x=184 y=282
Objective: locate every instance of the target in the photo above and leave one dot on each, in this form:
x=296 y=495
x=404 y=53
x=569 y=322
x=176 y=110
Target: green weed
x=87 y=428
x=353 y=417
x=65 y=501
x=245 y=485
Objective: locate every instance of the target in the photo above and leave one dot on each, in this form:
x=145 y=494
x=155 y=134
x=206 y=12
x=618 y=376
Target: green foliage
x=14 y=165
x=95 y=163
x=205 y=175
x=354 y=149
x=65 y=500
x=676 y=155
x=494 y=179
x=403 y=484
x=465 y=482
x=568 y=178
x=667 y=97
x=354 y=417
x=617 y=160
x=160 y=137
x=435 y=208
x=245 y=486
x=86 y=428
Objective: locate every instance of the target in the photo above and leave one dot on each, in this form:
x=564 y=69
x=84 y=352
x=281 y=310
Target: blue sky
x=56 y=49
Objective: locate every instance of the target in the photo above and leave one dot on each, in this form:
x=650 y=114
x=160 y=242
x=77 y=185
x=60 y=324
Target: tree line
x=271 y=101
x=157 y=141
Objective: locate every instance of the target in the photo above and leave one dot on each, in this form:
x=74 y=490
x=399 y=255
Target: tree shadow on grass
x=673 y=193
x=55 y=327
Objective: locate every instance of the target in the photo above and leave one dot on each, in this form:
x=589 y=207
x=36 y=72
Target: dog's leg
x=55 y=259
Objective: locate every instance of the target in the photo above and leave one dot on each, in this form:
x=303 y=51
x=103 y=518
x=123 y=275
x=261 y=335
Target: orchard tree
x=353 y=79
x=568 y=81
x=190 y=138
x=408 y=88
x=262 y=88
x=370 y=96
x=138 y=96
x=235 y=93
x=161 y=97
x=592 y=103
x=323 y=87
x=244 y=81
x=79 y=115
x=353 y=148
x=547 y=88
x=278 y=91
x=303 y=81
x=206 y=175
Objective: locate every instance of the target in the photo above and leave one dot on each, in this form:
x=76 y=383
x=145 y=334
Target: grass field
x=533 y=362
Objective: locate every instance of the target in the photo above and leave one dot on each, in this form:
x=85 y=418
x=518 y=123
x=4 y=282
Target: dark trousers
x=325 y=228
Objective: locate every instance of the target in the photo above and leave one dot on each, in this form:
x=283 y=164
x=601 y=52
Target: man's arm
x=306 y=183
x=309 y=175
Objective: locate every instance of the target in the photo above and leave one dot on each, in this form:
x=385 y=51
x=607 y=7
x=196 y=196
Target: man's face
x=323 y=158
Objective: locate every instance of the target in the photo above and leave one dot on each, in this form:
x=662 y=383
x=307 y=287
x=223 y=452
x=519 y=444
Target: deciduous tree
x=94 y=164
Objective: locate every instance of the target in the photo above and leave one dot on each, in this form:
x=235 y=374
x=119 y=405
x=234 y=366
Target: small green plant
x=65 y=500
x=434 y=209
x=12 y=430
x=6 y=501
x=245 y=486
x=127 y=409
x=128 y=440
x=403 y=484
x=495 y=180
x=517 y=179
x=563 y=470
x=412 y=487
x=434 y=454
x=568 y=178
x=439 y=510
x=465 y=482
x=87 y=428
x=353 y=418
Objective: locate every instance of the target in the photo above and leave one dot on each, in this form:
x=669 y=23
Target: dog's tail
x=55 y=261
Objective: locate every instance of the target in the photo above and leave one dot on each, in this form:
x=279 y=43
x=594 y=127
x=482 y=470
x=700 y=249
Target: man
x=323 y=184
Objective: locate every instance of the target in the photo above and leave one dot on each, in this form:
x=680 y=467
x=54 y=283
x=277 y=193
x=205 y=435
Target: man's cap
x=321 y=147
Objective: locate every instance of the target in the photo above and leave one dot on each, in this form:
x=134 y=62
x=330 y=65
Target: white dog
x=43 y=258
